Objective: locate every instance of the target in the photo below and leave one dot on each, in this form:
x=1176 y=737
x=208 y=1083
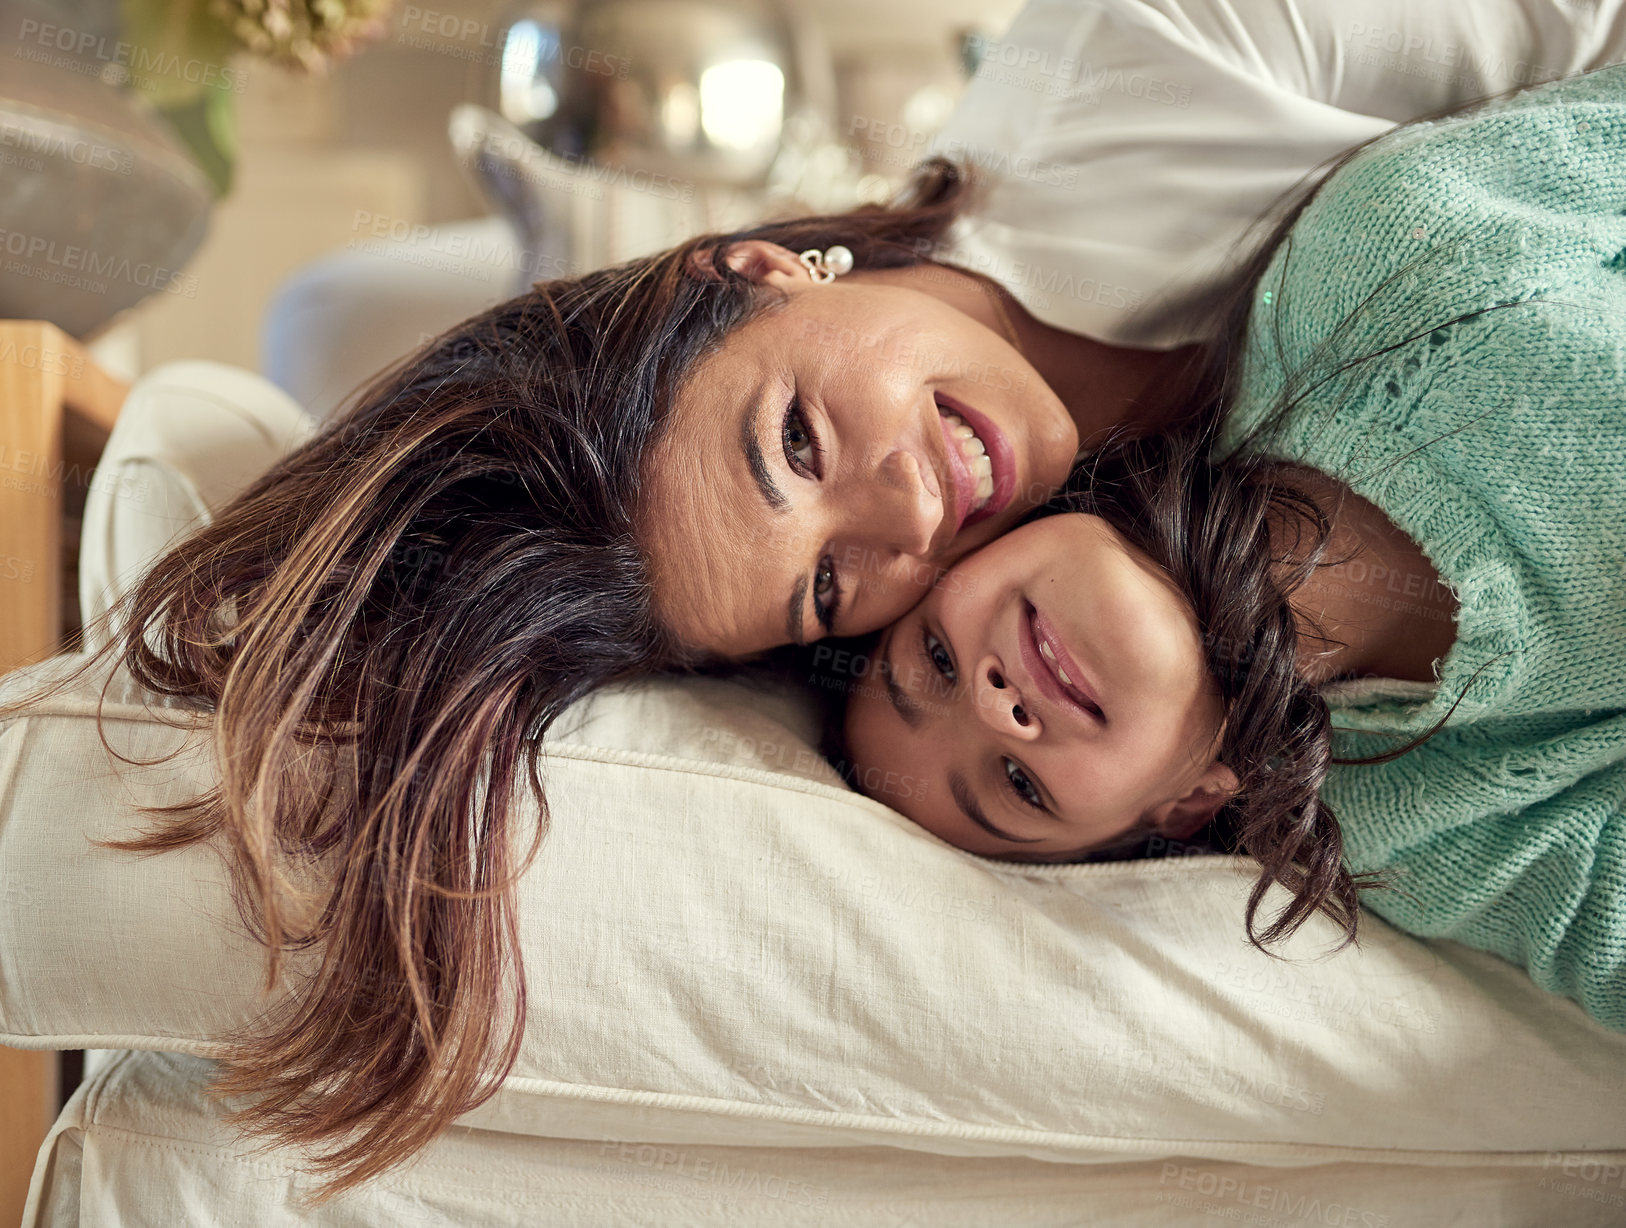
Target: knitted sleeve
x=1520 y=852
x=1446 y=332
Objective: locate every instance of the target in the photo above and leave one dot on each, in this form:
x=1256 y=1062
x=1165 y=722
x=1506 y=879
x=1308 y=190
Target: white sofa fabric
x=726 y=954
x=726 y=949
x=140 y=1145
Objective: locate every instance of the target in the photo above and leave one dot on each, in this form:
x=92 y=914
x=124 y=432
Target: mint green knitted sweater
x=1499 y=445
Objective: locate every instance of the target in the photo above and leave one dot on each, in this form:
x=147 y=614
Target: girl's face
x=823 y=467
x=1048 y=695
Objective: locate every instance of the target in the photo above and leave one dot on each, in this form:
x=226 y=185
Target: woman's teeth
x=976 y=459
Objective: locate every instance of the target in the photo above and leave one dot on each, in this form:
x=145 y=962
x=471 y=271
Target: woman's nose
x=896 y=508
x=999 y=703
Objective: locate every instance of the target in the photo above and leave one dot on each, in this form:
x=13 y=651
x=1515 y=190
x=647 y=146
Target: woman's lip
x=962 y=488
x=1078 y=695
x=1001 y=456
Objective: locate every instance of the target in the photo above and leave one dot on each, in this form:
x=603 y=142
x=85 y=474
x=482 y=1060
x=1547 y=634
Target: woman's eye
x=1022 y=786
x=938 y=655
x=801 y=448
x=824 y=580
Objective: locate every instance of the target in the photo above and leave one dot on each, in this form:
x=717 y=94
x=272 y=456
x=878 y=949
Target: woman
x=674 y=461
x=1419 y=506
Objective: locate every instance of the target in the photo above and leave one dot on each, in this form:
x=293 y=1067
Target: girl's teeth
x=1049 y=654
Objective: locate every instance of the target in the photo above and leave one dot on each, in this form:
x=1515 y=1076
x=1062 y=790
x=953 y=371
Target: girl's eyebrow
x=901 y=703
x=960 y=790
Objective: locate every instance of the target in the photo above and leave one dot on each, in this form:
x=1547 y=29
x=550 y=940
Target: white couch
x=758 y=998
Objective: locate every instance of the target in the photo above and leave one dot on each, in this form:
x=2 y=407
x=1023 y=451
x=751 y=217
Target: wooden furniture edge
x=56 y=410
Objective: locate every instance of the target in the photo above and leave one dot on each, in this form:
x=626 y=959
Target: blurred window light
x=680 y=113
x=742 y=103
x=928 y=109
x=526 y=94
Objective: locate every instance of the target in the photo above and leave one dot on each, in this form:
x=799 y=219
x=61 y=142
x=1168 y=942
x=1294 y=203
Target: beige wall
x=370 y=137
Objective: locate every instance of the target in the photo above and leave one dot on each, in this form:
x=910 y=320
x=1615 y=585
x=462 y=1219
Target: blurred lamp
x=698 y=90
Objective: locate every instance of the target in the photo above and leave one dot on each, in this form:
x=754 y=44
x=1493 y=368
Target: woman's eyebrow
x=751 y=445
x=750 y=441
x=960 y=790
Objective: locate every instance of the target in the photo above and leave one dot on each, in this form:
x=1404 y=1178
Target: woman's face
x=1049 y=695
x=823 y=468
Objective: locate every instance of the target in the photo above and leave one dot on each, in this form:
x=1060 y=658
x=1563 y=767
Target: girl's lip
x=1001 y=456
x=1077 y=693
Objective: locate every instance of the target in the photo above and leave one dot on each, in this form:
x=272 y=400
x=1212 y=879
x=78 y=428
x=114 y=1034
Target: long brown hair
x=381 y=629
x=1236 y=537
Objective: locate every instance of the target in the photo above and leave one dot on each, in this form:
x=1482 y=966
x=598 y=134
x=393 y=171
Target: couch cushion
x=141 y=1144
x=724 y=946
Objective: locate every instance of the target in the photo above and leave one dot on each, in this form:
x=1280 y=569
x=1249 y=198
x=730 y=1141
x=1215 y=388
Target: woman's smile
x=980 y=460
x=908 y=434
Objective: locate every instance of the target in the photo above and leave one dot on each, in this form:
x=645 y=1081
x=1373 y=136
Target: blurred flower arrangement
x=183 y=49
x=303 y=34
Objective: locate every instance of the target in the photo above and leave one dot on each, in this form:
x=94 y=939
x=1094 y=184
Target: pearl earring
x=828 y=264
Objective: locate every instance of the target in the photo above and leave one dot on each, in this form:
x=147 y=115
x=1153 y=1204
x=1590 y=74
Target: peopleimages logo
x=465 y=38
x=138 y=61
x=1013 y=165
x=736 y=1181
x=66 y=148
x=71 y=265
x=1065 y=76
x=1222 y=1194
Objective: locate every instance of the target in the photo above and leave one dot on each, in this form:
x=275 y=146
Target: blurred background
x=307 y=189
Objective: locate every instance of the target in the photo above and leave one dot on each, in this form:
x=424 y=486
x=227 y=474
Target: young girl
x=1372 y=615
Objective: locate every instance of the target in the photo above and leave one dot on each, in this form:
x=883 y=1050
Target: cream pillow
x=724 y=946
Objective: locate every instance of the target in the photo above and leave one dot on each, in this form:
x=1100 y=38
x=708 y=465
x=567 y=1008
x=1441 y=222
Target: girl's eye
x=801 y=445
x=1022 y=786
x=826 y=593
x=938 y=655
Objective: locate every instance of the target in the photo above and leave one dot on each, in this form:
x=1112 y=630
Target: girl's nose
x=999 y=703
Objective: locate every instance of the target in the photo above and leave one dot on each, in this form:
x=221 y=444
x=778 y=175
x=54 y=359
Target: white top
x=1129 y=144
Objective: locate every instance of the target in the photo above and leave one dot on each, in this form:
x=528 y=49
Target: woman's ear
x=756 y=259
x=1181 y=817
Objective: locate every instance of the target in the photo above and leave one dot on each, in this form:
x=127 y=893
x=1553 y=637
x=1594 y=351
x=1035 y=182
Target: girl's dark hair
x=1237 y=533
x=1235 y=537
x=380 y=630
